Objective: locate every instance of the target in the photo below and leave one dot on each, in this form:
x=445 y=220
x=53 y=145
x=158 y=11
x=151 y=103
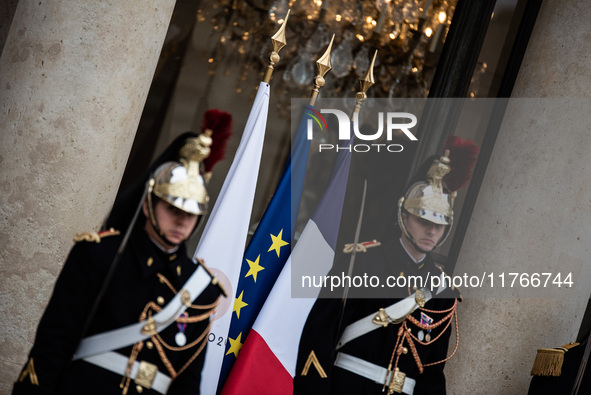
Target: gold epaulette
x=361 y=247
x=549 y=361
x=94 y=236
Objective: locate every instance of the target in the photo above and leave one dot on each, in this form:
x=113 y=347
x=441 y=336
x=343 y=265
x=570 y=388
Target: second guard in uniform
x=392 y=339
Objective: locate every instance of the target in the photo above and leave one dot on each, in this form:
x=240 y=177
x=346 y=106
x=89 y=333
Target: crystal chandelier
x=408 y=34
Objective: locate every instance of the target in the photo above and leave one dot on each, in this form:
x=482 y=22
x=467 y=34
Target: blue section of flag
x=270 y=245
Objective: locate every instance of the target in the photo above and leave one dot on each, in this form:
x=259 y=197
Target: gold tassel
x=548 y=362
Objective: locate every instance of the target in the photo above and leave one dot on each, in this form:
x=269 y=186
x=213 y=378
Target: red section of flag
x=257 y=371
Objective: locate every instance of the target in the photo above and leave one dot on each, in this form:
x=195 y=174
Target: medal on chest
x=180 y=338
x=425 y=320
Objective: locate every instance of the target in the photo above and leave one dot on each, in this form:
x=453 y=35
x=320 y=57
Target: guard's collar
x=409 y=254
x=151 y=258
x=162 y=248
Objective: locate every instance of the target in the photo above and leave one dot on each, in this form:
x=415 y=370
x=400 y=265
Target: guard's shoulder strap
x=131 y=334
x=394 y=313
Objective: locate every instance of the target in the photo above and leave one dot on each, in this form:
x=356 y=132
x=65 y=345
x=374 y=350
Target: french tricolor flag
x=267 y=361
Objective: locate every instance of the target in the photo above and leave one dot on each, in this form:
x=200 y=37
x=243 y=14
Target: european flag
x=269 y=247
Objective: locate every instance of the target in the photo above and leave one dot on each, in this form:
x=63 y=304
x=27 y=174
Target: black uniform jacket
x=134 y=284
x=320 y=332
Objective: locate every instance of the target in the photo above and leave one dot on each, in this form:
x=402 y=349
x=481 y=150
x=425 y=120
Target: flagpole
x=229 y=220
x=365 y=82
x=278 y=41
x=324 y=66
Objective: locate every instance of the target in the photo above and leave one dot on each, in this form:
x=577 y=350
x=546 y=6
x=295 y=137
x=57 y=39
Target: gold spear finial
x=324 y=67
x=365 y=83
x=278 y=41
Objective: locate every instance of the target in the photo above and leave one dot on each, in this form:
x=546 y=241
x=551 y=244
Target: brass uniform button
x=160 y=300
x=150 y=345
x=139 y=389
x=150 y=261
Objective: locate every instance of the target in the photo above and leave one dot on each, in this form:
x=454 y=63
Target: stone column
x=533 y=212
x=74 y=76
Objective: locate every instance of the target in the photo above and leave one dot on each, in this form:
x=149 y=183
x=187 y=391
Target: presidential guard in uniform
x=392 y=338
x=130 y=312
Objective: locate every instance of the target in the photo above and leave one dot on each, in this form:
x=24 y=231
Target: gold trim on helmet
x=175 y=184
x=428 y=204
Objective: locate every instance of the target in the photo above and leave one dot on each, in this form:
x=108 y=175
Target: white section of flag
x=223 y=241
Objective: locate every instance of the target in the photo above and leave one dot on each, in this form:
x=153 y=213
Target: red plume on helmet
x=462 y=156
x=220 y=123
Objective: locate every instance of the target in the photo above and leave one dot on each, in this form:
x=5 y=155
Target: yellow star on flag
x=235 y=345
x=254 y=268
x=277 y=242
x=238 y=304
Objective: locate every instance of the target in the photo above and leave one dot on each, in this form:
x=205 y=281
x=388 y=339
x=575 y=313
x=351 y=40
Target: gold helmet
x=428 y=200
x=181 y=183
